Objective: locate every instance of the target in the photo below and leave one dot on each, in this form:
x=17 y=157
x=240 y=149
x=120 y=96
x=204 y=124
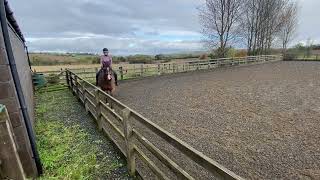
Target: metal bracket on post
x=129 y=144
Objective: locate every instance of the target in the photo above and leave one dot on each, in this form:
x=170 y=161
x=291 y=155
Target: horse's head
x=107 y=74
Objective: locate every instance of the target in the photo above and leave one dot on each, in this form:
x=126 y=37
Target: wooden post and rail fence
x=144 y=70
x=121 y=124
x=10 y=164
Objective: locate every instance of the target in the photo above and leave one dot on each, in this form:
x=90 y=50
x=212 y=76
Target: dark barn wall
x=9 y=97
x=24 y=71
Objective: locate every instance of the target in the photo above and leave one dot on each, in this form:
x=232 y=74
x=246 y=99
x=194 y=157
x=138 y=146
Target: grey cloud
x=53 y=21
x=309 y=22
x=138 y=20
x=122 y=46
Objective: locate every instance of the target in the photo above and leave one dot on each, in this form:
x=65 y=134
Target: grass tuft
x=64 y=151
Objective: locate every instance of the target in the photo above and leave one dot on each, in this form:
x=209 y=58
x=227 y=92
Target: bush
x=159 y=57
x=140 y=59
x=213 y=56
x=241 y=53
x=290 y=56
x=53 y=79
x=203 y=56
x=95 y=60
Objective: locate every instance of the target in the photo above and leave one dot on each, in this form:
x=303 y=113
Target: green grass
x=64 y=152
x=66 y=149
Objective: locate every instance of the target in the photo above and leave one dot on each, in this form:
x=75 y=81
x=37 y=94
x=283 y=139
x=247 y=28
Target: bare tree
x=220 y=20
x=265 y=21
x=289 y=21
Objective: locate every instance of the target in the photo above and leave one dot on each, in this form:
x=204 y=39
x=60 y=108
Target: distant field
x=81 y=66
x=59 y=67
x=43 y=59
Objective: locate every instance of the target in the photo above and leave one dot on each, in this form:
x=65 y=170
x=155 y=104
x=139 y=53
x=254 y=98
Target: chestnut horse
x=106 y=81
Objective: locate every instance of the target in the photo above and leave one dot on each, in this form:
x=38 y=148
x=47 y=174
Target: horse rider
x=106 y=61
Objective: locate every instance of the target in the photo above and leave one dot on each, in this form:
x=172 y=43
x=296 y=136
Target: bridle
x=107 y=73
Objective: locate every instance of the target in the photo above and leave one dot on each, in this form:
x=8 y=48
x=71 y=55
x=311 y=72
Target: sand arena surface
x=260 y=121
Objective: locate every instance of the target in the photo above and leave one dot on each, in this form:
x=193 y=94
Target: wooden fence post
x=76 y=86
x=10 y=164
x=121 y=72
x=85 y=97
x=141 y=70
x=129 y=143
x=67 y=77
x=71 y=82
x=173 y=68
x=159 y=73
x=98 y=108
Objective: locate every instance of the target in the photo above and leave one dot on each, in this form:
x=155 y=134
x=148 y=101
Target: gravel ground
x=260 y=121
x=71 y=112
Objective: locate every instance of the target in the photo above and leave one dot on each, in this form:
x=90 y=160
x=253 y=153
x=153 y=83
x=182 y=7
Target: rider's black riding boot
x=97 y=75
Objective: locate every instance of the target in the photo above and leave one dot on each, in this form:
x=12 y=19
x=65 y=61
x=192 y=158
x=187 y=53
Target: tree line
x=259 y=25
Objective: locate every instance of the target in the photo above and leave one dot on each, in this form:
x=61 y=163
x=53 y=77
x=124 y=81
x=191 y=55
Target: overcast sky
x=126 y=26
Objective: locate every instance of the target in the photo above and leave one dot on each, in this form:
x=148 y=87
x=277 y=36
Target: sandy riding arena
x=260 y=121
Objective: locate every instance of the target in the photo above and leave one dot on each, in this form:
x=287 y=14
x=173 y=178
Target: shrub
x=159 y=57
x=95 y=60
x=203 y=56
x=241 y=53
x=140 y=59
x=290 y=56
x=53 y=79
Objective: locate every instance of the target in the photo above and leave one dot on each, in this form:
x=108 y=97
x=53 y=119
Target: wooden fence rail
x=10 y=164
x=119 y=122
x=144 y=70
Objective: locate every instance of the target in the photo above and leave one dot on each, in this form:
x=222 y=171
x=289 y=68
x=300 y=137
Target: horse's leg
x=112 y=92
x=113 y=87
